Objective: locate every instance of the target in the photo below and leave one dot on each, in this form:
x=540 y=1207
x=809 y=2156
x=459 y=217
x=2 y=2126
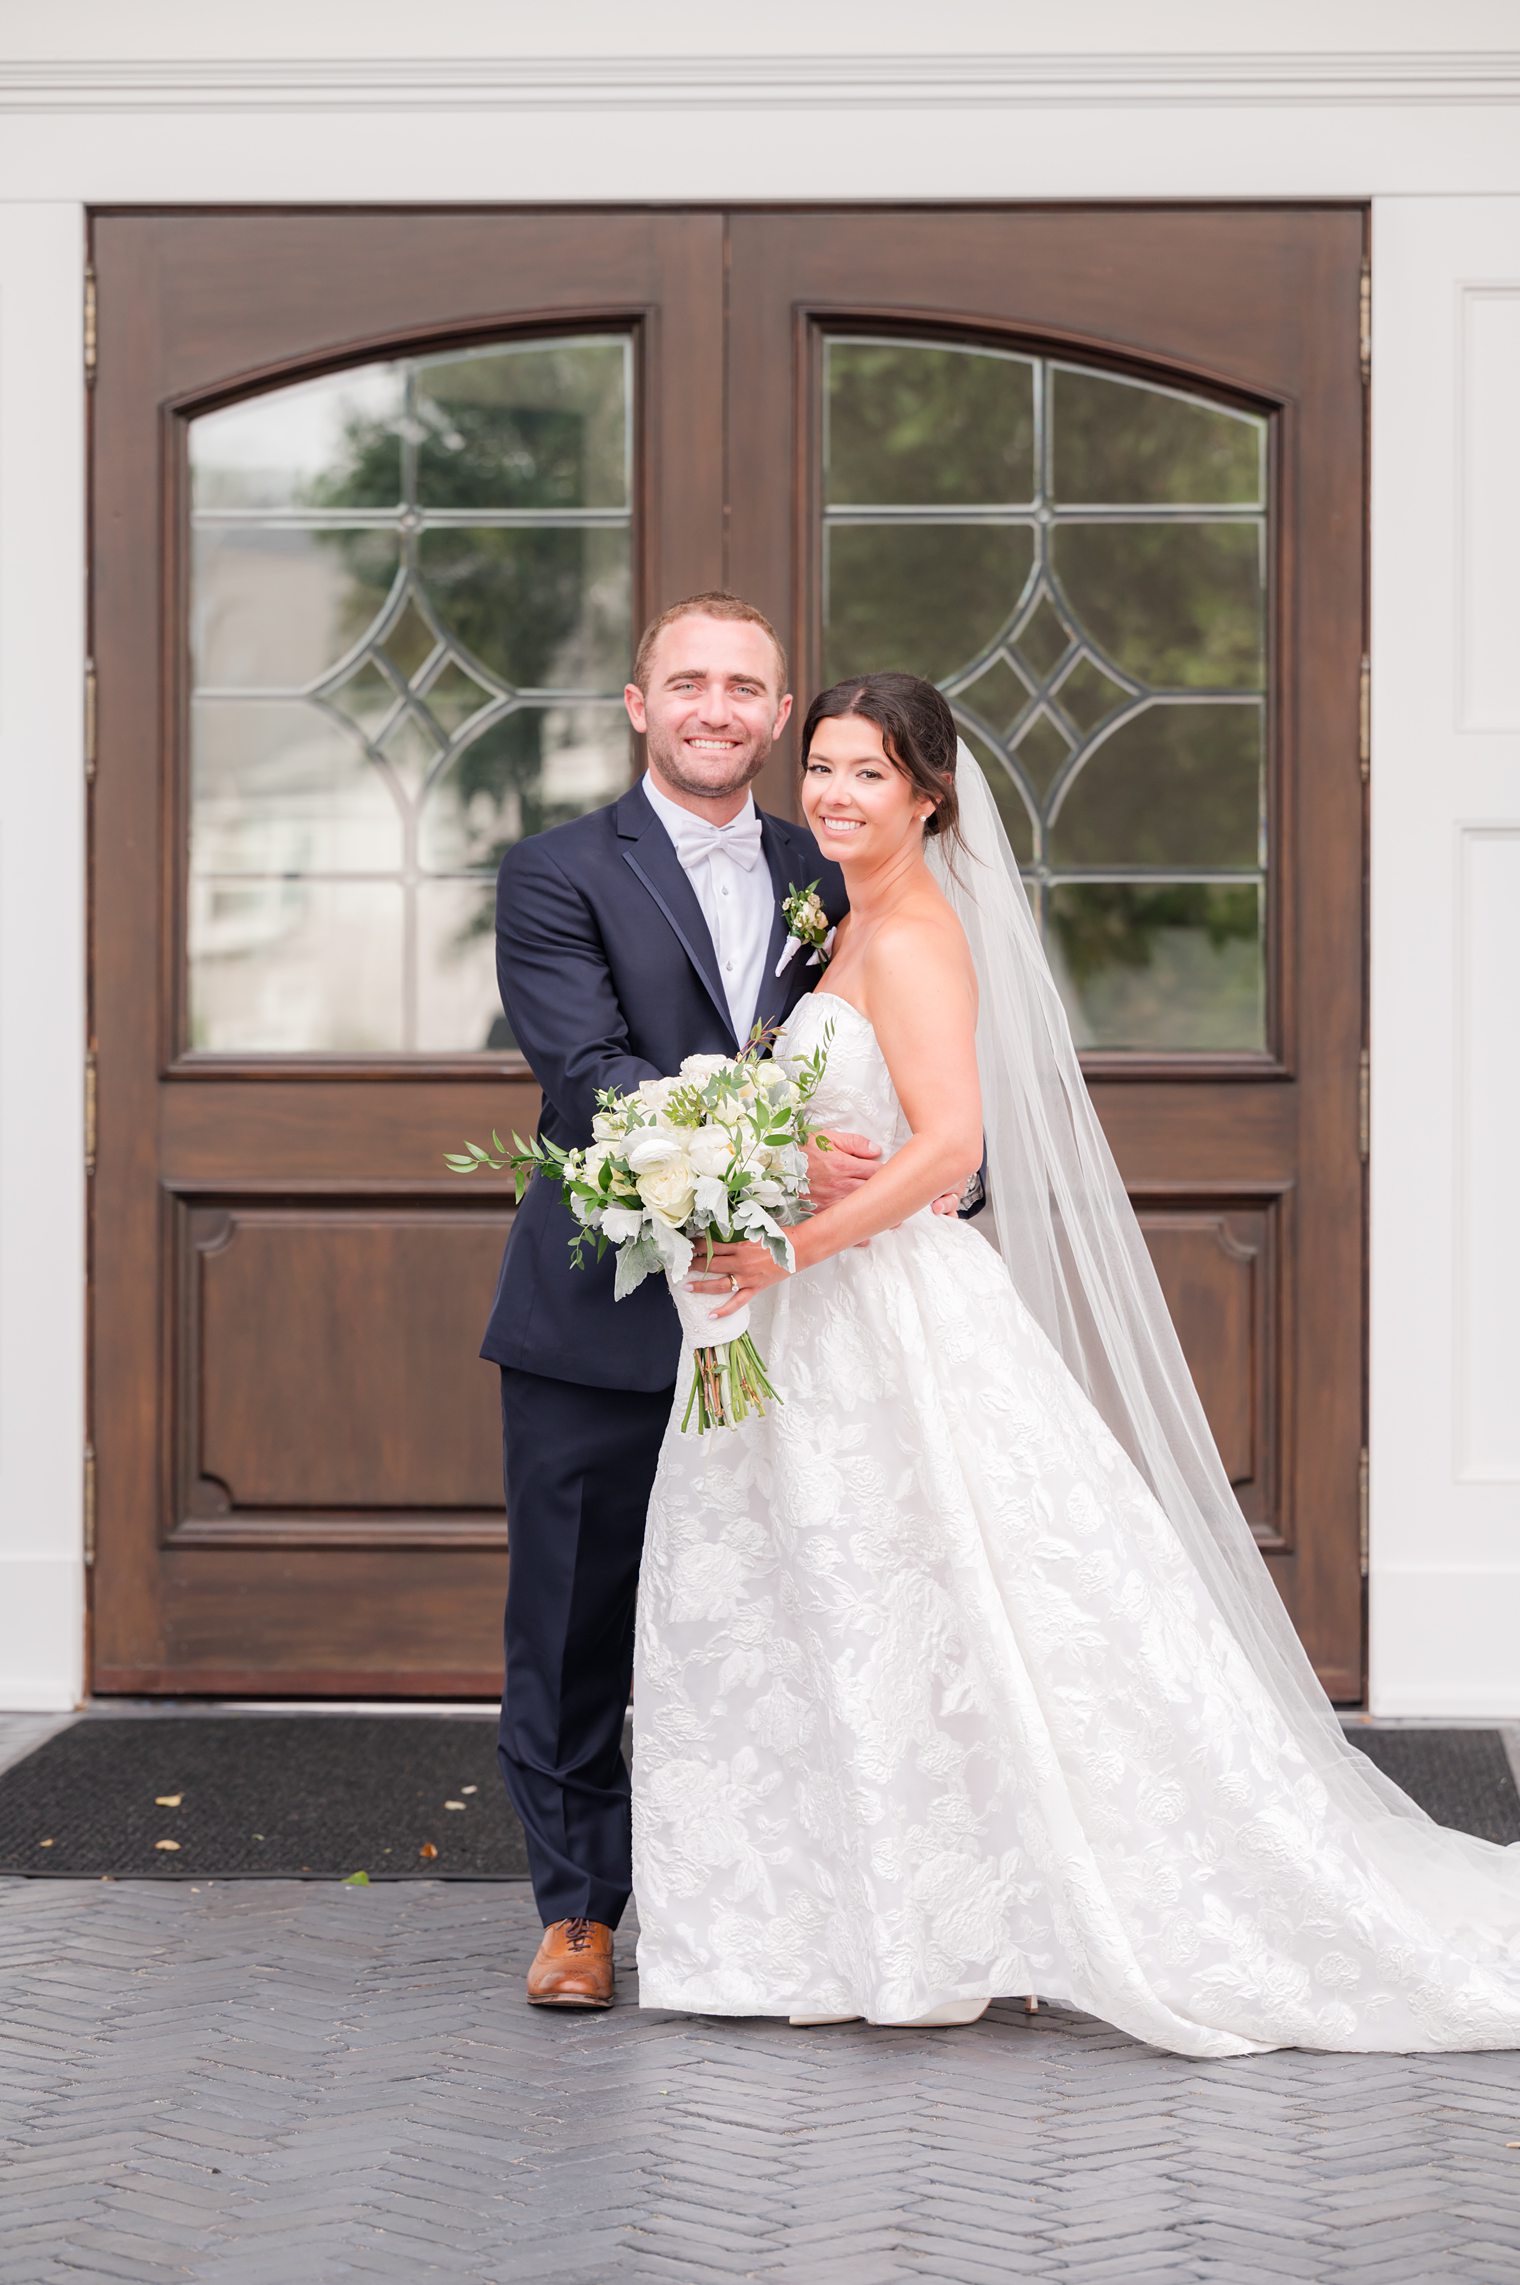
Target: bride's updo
x=917 y=729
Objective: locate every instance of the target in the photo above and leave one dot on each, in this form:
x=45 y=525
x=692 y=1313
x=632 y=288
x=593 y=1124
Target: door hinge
x=1365 y=323
x=89 y=1111
x=89 y=721
x=1364 y=1105
x=89 y=1505
x=91 y=340
x=1362 y=1504
x=1364 y=719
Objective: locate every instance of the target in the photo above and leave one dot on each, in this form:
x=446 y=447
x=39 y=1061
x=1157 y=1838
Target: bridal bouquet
x=712 y=1155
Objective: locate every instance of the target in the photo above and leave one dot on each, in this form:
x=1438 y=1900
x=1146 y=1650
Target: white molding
x=798 y=81
x=42 y=984
x=1444 y=1526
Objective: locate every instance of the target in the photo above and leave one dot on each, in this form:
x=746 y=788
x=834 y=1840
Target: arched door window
x=410 y=620
x=1080 y=561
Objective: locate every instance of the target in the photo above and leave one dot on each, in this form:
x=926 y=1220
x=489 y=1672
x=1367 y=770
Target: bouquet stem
x=727 y=1385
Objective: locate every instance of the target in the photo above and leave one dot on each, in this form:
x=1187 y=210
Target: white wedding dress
x=932 y=1703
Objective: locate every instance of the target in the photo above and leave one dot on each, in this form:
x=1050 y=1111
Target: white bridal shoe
x=953 y=2011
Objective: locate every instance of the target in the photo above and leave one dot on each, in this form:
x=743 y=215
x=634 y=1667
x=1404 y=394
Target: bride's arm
x=920 y=994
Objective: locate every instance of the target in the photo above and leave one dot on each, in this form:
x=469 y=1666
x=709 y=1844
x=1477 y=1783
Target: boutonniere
x=806 y=923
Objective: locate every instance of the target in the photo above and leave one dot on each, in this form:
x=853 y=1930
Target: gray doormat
x=326 y=1796
x=1463 y=1777
x=263 y=1797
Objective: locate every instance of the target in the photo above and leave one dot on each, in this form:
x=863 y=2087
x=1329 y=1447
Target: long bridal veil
x=1068 y=1234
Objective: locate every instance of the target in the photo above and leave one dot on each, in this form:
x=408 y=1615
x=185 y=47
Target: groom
x=626 y=940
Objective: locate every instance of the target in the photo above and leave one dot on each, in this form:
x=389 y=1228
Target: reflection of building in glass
x=411 y=617
x=1080 y=561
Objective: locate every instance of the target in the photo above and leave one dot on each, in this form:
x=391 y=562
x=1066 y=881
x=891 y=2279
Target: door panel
x=1099 y=474
x=378 y=502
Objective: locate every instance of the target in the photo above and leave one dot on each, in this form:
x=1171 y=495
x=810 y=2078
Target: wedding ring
x=733 y=1282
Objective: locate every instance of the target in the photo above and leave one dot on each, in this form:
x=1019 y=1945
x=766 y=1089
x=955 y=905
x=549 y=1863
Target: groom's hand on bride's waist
x=837 y=1165
x=834 y=1172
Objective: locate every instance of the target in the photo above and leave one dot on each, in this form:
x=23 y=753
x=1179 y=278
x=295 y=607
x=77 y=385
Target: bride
x=960 y=1673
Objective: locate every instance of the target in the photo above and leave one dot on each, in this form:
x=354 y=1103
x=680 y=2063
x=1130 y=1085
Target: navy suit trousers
x=579 y=1466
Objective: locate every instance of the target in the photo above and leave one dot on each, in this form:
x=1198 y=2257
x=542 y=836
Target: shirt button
x=725 y=888
x=728 y=967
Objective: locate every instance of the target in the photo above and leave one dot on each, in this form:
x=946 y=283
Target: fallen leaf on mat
x=166 y=1844
x=357 y=1880
x=427 y=1850
x=46 y=1844
x=453 y=1804
x=167 y=1800
x=469 y=1788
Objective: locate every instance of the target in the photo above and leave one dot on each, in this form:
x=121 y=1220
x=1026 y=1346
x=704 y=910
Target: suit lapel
x=650 y=856
x=793 y=863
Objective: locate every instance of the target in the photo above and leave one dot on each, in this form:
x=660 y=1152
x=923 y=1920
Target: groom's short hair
x=716 y=604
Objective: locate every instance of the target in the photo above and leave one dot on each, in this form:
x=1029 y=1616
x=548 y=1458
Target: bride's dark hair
x=917 y=729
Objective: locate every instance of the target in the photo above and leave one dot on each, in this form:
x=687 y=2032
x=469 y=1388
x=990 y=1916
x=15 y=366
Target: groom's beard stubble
x=664 y=756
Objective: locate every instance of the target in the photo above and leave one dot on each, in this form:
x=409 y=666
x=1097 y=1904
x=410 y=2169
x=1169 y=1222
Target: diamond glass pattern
x=410 y=609
x=1081 y=561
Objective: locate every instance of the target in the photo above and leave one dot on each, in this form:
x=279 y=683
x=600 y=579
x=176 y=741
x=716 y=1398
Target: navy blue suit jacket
x=608 y=976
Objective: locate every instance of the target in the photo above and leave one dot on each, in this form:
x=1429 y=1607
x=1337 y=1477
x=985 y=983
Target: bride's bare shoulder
x=922 y=951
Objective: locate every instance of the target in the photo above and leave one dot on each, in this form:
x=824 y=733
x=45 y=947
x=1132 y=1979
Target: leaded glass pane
x=927 y=427
x=1114 y=440
x=1176 y=785
x=410 y=617
x=1177 y=962
x=1080 y=560
x=926 y=591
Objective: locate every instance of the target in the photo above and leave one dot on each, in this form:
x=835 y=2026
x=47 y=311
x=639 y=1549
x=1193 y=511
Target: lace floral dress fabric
x=931 y=1704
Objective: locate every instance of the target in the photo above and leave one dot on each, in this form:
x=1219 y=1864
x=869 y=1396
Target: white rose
x=622 y=1222
x=768 y=1193
x=710 y=1150
x=652 y=1147
x=594 y=1160
x=700 y=1068
x=609 y=1126
x=669 y=1191
x=654 y=1094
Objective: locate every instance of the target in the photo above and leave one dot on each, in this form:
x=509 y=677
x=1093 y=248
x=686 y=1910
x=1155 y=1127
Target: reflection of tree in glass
x=541 y=427
x=1117 y=443
x=924 y=597
x=1178 y=786
x=1180 y=606
x=538 y=607
x=486 y=584
x=911 y=425
x=1105 y=926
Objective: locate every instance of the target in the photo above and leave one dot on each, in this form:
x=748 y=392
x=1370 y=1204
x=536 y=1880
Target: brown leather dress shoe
x=573 y=1966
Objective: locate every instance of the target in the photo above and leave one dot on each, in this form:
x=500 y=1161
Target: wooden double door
x=380 y=501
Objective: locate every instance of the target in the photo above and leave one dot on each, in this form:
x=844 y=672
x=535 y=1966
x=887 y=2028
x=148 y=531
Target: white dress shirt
x=726 y=866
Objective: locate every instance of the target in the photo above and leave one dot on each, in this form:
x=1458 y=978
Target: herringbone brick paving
x=286 y=2083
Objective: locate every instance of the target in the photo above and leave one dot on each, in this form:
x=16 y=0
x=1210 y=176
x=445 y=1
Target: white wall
x=41 y=957
x=366 y=100
x=1445 y=1353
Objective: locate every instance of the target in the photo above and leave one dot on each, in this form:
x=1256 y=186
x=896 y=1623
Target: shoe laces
x=577 y=1935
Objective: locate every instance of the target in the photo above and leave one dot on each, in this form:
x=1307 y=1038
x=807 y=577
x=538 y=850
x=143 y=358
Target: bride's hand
x=743 y=1270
